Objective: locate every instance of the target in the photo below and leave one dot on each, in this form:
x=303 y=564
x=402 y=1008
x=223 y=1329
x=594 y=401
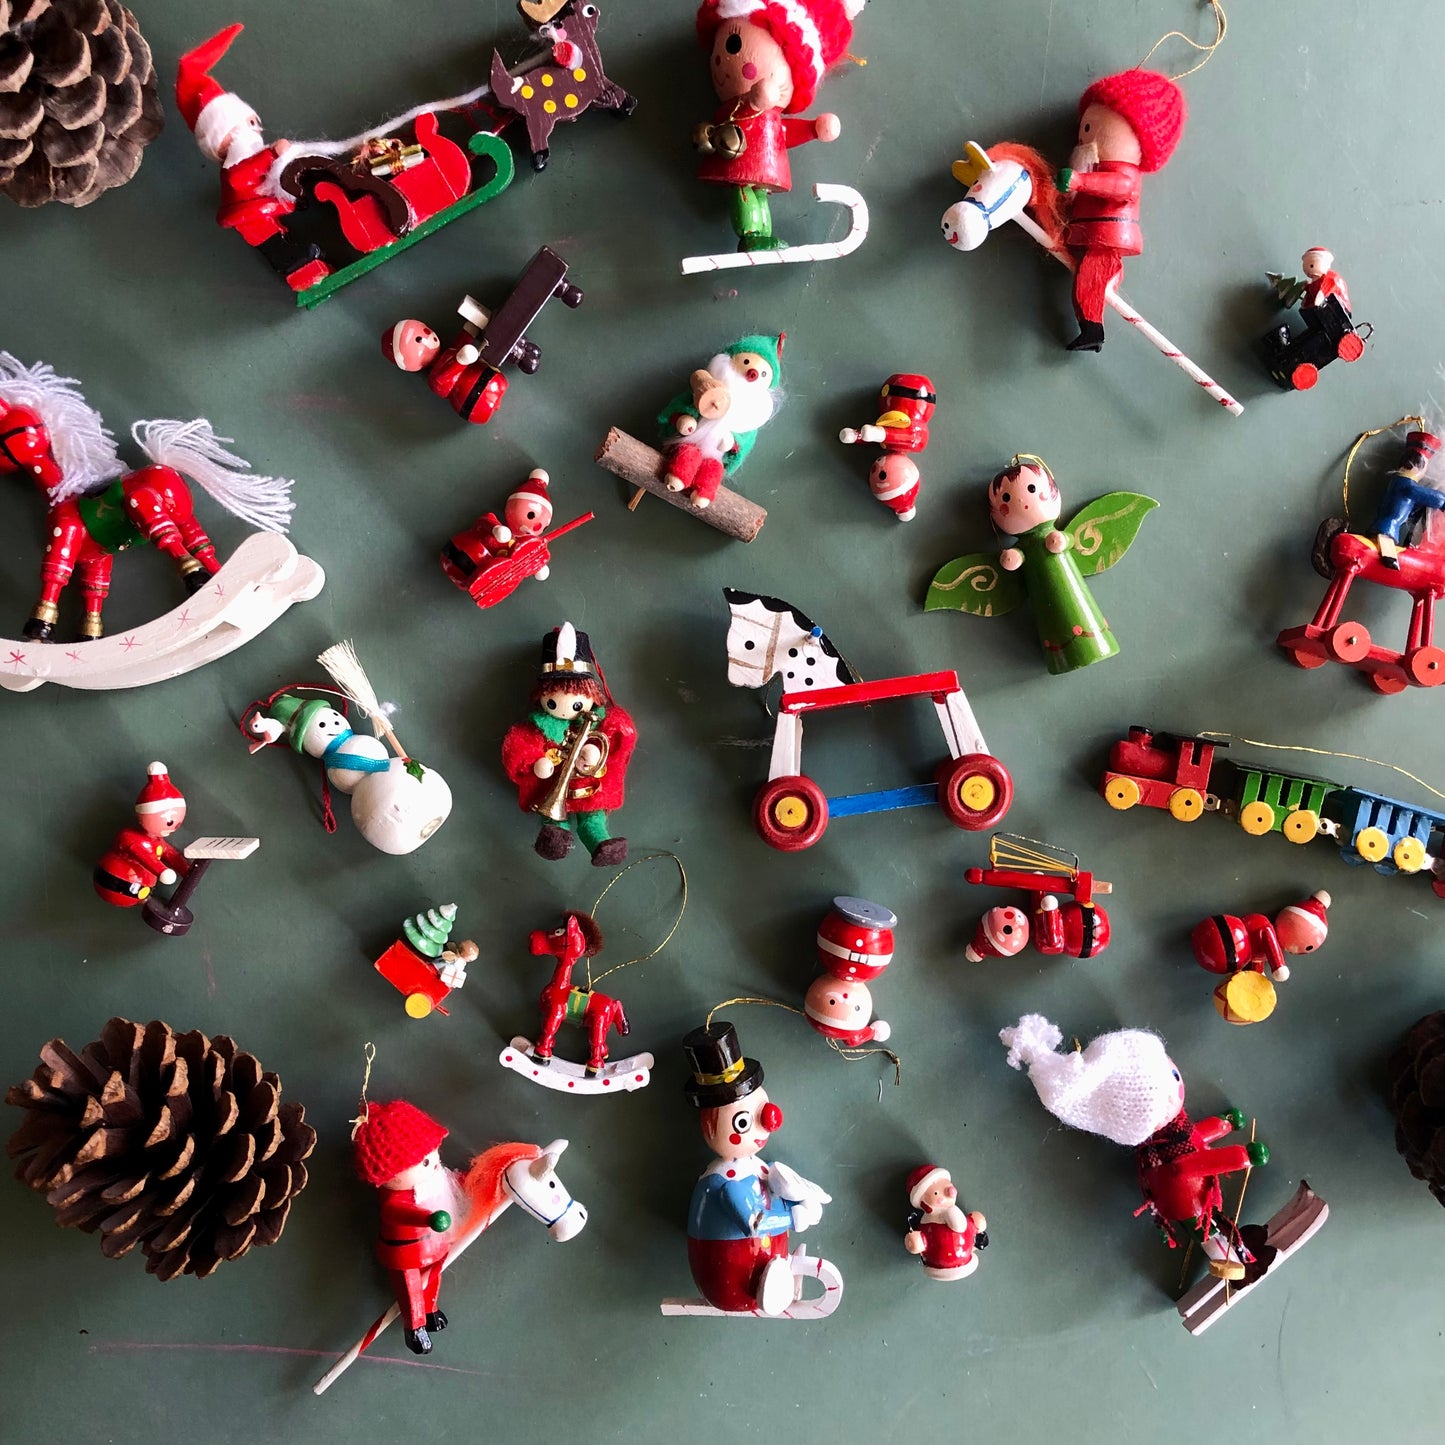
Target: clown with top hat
x=140 y=858
x=768 y=58
x=742 y=1209
x=228 y=130
x=939 y=1232
x=569 y=756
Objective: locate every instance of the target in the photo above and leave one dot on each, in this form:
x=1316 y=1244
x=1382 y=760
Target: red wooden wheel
x=790 y=814
x=1438 y=884
x=1351 y=348
x=1386 y=683
x=1426 y=666
x=1304 y=376
x=974 y=791
x=1349 y=642
x=1305 y=656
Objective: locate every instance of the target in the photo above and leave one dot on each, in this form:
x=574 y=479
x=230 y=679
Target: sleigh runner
x=807 y=1305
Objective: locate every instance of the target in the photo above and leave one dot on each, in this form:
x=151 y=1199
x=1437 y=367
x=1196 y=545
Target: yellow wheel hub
x=1186 y=804
x=418 y=1005
x=1256 y=818
x=791 y=811
x=1121 y=793
x=977 y=792
x=1409 y=855
x=1372 y=844
x=1301 y=825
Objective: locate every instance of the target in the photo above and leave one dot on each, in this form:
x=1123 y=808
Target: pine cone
x=1417 y=1095
x=78 y=99
x=173 y=1142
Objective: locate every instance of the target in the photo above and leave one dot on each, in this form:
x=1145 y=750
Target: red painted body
x=1226 y=944
x=475 y=391
x=945 y=1248
x=1078 y=928
x=488 y=570
x=728 y=1272
x=768 y=135
x=409 y=973
x=135 y=861
x=1160 y=767
x=600 y=1013
x=412 y=1253
x=1179 y=1171
x=842 y=940
x=247 y=205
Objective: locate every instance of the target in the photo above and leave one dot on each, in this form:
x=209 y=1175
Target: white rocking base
x=618 y=1076
x=813 y=1307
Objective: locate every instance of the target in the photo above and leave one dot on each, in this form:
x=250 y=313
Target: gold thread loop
x=361 y=1118
x=1324 y=753
x=1360 y=440
x=1221 y=29
x=667 y=937
x=748 y=999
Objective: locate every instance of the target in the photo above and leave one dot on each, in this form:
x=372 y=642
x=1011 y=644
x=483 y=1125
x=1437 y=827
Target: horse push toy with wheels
x=769 y=638
x=96 y=508
x=1405 y=550
x=1295 y=358
x=1182 y=776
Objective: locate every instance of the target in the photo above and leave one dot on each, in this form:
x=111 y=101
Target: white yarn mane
x=82 y=443
x=193 y=449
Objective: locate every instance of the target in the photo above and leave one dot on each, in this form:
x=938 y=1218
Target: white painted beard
x=750 y=404
x=443 y=1190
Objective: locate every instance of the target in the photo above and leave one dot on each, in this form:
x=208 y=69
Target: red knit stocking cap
x=1151 y=103
x=814 y=34
x=392 y=1137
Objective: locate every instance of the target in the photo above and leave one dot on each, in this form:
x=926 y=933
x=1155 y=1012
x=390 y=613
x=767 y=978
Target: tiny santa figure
x=1252 y=950
x=1322 y=281
x=1001 y=933
x=768 y=58
x=527 y=513
x=908 y=401
x=1125 y=1087
x=1409 y=498
x=229 y=131
x=742 y=1209
x=855 y=946
x=396 y=1147
x=574 y=726
x=455 y=372
x=710 y=429
x=939 y=1232
x=140 y=858
x=1129 y=125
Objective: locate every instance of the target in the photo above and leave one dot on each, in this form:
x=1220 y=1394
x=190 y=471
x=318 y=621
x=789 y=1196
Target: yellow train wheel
x=1121 y=793
x=418 y=1005
x=1186 y=804
x=1256 y=818
x=1409 y=855
x=1372 y=844
x=1301 y=826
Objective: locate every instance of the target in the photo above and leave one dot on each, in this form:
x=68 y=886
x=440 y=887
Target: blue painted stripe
x=884 y=801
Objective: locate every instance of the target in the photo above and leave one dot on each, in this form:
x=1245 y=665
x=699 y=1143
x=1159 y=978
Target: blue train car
x=1392 y=836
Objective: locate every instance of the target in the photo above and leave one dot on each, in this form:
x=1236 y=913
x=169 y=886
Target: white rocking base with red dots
x=262 y=578
x=805 y=1266
x=617 y=1076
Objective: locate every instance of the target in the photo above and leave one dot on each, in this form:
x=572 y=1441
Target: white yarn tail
x=1031 y=1039
x=82 y=444
x=346 y=671
x=193 y=449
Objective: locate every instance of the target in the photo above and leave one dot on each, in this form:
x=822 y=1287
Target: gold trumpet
x=553 y=806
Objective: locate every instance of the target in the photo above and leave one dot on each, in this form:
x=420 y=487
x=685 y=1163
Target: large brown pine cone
x=1417 y=1094
x=78 y=99
x=174 y=1142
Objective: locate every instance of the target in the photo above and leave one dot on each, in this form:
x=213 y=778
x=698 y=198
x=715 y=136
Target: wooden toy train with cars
x=1181 y=774
x=769 y=638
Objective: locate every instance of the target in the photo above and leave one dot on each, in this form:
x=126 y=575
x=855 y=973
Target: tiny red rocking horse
x=97 y=508
x=577 y=938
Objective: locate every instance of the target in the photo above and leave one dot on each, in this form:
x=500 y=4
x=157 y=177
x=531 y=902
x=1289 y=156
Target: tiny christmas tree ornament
x=78 y=102
x=940 y=1234
x=1417 y=1098
x=744 y=1211
x=176 y=1144
x=424 y=964
x=396 y=802
x=1045 y=564
x=908 y=400
x=1251 y=952
x=854 y=947
x=1295 y=358
x=568 y=759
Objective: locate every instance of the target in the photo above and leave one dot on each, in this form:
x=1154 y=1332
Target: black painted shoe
x=418 y=1342
x=195 y=580
x=1090 y=337
x=37 y=631
x=435 y=1321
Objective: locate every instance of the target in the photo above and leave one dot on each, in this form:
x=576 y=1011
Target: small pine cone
x=175 y=1143
x=78 y=100
x=1417 y=1096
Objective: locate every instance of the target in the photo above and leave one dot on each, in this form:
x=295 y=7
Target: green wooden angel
x=1045 y=564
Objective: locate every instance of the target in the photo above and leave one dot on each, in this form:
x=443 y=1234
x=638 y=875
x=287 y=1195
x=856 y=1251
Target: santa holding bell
x=939 y=1232
x=140 y=858
x=229 y=131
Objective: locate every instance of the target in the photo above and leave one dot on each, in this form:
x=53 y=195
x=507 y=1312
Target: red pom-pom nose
x=771 y=1118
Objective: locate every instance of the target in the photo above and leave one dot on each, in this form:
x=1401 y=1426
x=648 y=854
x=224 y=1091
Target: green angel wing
x=976 y=584
x=1105 y=529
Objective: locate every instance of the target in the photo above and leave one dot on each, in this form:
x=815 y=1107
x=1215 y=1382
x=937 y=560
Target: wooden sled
x=1289 y=1230
x=812 y=1307
x=262 y=578
x=620 y=1076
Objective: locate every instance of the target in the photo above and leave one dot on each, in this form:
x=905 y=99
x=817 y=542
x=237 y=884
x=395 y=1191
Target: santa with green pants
x=711 y=428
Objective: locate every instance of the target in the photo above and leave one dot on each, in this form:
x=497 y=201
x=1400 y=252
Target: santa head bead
x=1001 y=933
x=529 y=508
x=805 y=38
x=410 y=345
x=219 y=118
x=160 y=806
x=855 y=939
x=1303 y=927
x=924 y=1180
x=391 y=1138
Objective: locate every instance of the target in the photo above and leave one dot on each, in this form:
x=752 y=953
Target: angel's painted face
x=1023 y=497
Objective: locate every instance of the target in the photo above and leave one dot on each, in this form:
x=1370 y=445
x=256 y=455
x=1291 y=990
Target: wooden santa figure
x=139 y=858
x=939 y=1232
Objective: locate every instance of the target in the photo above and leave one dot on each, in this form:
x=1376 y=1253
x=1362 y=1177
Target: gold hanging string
x=1221 y=29
x=1324 y=753
x=749 y=999
x=667 y=937
x=853 y=1055
x=365 y=1114
x=1360 y=440
x=1038 y=461
x=1015 y=850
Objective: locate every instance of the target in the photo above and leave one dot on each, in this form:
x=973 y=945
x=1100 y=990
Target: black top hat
x=720 y=1073
x=567 y=652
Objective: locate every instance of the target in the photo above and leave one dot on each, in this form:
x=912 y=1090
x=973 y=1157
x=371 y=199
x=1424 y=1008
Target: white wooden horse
x=769 y=638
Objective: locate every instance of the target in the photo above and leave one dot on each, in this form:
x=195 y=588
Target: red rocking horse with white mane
x=97 y=508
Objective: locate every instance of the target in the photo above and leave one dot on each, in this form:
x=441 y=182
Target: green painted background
x=1313 y=125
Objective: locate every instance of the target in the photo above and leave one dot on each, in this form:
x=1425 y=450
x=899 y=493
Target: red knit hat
x=923 y=1179
x=392 y=1137
x=1151 y=103
x=814 y=34
x=159 y=794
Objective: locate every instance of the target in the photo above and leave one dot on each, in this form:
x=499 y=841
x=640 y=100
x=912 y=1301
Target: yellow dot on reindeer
x=546 y=80
x=527 y=92
x=570 y=102
x=549 y=106
x=579 y=75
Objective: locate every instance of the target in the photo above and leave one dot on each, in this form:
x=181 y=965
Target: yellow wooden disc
x=977 y=792
x=1245 y=998
x=1121 y=793
x=1301 y=825
x=1186 y=804
x=1372 y=844
x=1226 y=1269
x=1409 y=855
x=418 y=1005
x=791 y=811
x=1256 y=818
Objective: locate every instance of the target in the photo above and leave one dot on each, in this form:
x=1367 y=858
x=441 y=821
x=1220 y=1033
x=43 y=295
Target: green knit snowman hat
x=295 y=715
x=770 y=348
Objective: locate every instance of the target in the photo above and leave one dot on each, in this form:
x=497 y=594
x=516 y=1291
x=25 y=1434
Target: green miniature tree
x=428 y=932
